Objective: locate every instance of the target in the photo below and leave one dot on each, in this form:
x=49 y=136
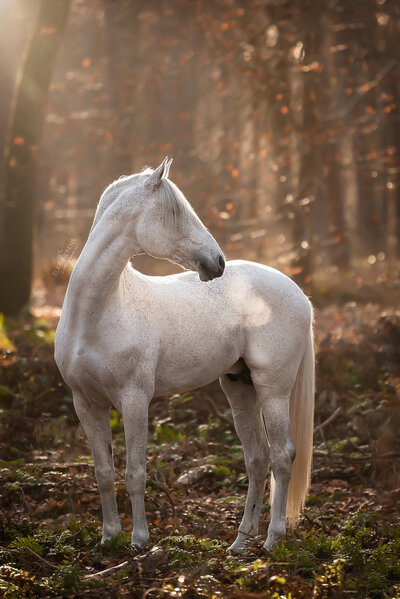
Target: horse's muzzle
x=210 y=268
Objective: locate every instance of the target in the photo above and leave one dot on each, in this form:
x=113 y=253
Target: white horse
x=124 y=338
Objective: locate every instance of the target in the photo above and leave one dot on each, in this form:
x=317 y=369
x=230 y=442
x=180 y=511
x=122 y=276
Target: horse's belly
x=183 y=368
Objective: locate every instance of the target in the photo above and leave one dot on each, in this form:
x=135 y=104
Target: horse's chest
x=104 y=366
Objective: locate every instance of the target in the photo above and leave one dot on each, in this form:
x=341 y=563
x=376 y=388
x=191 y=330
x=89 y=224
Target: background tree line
x=281 y=115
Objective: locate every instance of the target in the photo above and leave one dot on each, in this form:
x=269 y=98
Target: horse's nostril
x=211 y=266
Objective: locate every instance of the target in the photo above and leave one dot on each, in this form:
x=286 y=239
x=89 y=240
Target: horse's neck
x=97 y=273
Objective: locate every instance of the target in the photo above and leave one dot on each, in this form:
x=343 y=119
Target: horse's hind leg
x=251 y=432
x=96 y=423
x=274 y=400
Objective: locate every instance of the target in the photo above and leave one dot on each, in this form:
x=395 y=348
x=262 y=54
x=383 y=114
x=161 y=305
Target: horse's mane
x=174 y=207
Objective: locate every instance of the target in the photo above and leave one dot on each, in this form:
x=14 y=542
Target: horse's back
x=261 y=286
x=248 y=293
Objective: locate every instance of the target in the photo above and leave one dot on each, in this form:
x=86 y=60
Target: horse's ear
x=155 y=178
x=167 y=167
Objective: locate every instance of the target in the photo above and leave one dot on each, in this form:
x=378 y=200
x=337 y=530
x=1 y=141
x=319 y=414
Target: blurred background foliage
x=282 y=117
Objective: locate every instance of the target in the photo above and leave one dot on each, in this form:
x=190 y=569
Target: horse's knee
x=257 y=461
x=135 y=479
x=104 y=477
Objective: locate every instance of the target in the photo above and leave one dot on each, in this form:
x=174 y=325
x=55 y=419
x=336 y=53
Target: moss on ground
x=348 y=544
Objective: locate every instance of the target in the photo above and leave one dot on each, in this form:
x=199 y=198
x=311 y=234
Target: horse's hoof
x=267 y=545
x=237 y=548
x=138 y=541
x=272 y=540
x=110 y=532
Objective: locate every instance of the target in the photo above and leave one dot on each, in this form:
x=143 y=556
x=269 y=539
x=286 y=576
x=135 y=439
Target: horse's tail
x=302 y=425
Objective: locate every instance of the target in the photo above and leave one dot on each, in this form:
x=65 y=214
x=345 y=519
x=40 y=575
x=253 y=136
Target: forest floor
x=347 y=544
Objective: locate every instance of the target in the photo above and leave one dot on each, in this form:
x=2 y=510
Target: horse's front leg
x=135 y=416
x=96 y=424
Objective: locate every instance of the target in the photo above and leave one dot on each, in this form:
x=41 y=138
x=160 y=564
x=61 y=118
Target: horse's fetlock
x=111 y=530
x=140 y=537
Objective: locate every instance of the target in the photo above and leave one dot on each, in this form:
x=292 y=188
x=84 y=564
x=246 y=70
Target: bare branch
x=108 y=571
x=327 y=421
x=360 y=93
x=217 y=413
x=41 y=559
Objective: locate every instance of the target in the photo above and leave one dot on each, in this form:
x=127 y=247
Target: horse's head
x=167 y=227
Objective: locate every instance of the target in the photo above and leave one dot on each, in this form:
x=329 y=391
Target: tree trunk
x=27 y=118
x=303 y=88
x=333 y=100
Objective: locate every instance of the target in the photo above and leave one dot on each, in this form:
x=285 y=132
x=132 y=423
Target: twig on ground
x=354 y=446
x=332 y=417
x=41 y=559
x=45 y=467
x=217 y=413
x=150 y=590
x=163 y=485
x=314 y=523
x=108 y=571
x=322 y=433
x=382 y=456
